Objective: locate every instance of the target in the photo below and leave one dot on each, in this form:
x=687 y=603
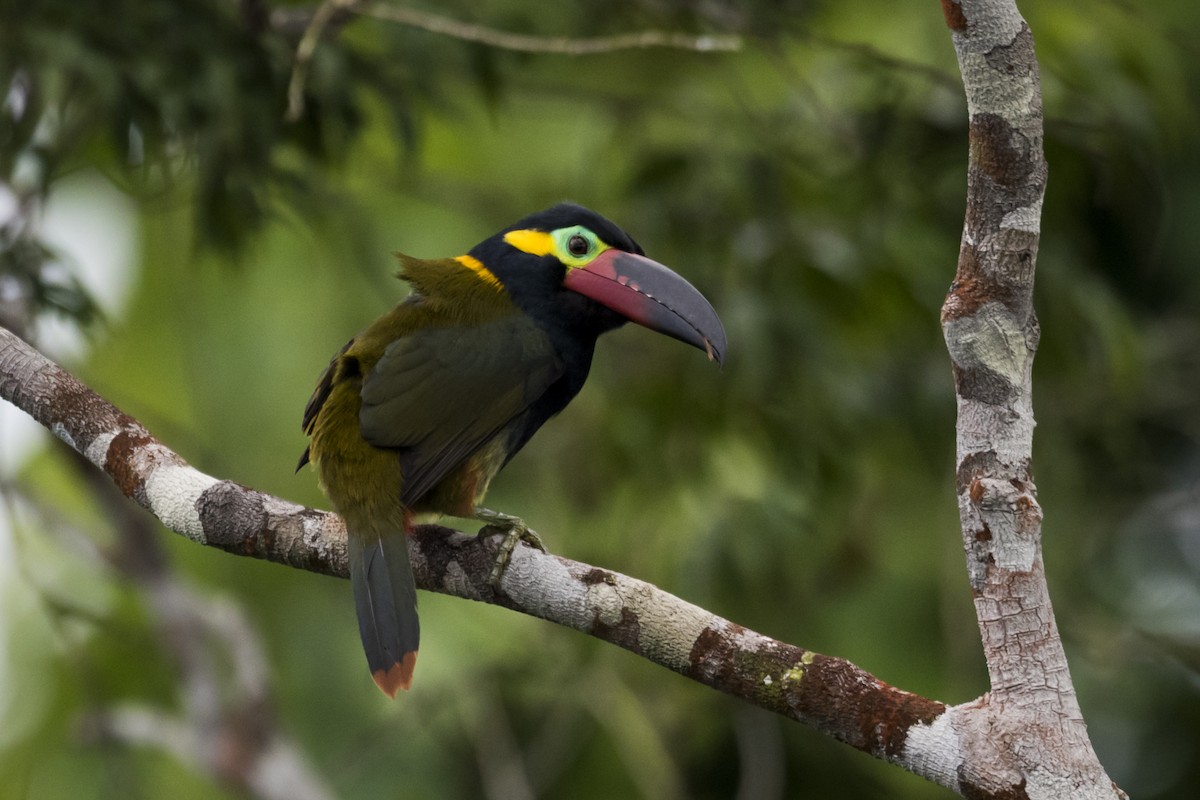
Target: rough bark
x=1026 y=737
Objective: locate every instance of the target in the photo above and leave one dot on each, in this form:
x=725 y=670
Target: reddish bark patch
x=1000 y=150
x=627 y=632
x=715 y=660
x=968 y=292
x=860 y=709
x=119 y=461
x=955 y=19
x=82 y=413
x=710 y=654
x=973 y=792
x=831 y=694
x=595 y=576
x=974 y=466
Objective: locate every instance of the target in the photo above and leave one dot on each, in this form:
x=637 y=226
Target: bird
x=416 y=414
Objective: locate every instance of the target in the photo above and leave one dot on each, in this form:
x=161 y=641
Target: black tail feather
x=385 y=598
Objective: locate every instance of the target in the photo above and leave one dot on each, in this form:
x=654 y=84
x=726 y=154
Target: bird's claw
x=514 y=530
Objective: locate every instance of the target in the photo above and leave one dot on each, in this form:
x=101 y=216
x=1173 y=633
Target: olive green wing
x=439 y=394
x=317 y=401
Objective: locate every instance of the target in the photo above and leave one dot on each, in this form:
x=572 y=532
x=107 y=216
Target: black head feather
x=565 y=215
x=535 y=282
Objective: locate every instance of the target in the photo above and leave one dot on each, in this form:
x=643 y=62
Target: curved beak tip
x=646 y=292
x=712 y=354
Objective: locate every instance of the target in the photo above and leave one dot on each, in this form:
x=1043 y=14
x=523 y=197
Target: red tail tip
x=398 y=676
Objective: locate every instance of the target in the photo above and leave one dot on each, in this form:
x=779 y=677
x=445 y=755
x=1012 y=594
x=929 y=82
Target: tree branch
x=313 y=30
x=559 y=45
x=992 y=333
x=225 y=726
x=275 y=773
x=329 y=11
x=830 y=694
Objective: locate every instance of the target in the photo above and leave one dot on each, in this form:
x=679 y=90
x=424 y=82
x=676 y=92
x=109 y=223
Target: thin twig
x=469 y=32
x=304 y=53
x=560 y=45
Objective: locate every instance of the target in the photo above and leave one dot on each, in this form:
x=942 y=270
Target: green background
x=812 y=186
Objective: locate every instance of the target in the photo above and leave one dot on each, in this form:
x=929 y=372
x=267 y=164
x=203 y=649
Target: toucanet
x=417 y=413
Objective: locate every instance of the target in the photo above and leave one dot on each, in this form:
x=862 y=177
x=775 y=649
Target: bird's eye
x=578 y=245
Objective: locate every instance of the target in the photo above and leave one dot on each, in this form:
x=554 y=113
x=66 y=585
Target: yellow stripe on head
x=575 y=246
x=476 y=266
x=536 y=243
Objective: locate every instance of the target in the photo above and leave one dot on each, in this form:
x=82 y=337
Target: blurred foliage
x=811 y=185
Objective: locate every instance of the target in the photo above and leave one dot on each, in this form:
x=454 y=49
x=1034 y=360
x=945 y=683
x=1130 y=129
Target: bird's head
x=570 y=267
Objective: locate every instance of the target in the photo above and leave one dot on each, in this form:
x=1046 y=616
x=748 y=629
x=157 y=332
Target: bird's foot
x=515 y=530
